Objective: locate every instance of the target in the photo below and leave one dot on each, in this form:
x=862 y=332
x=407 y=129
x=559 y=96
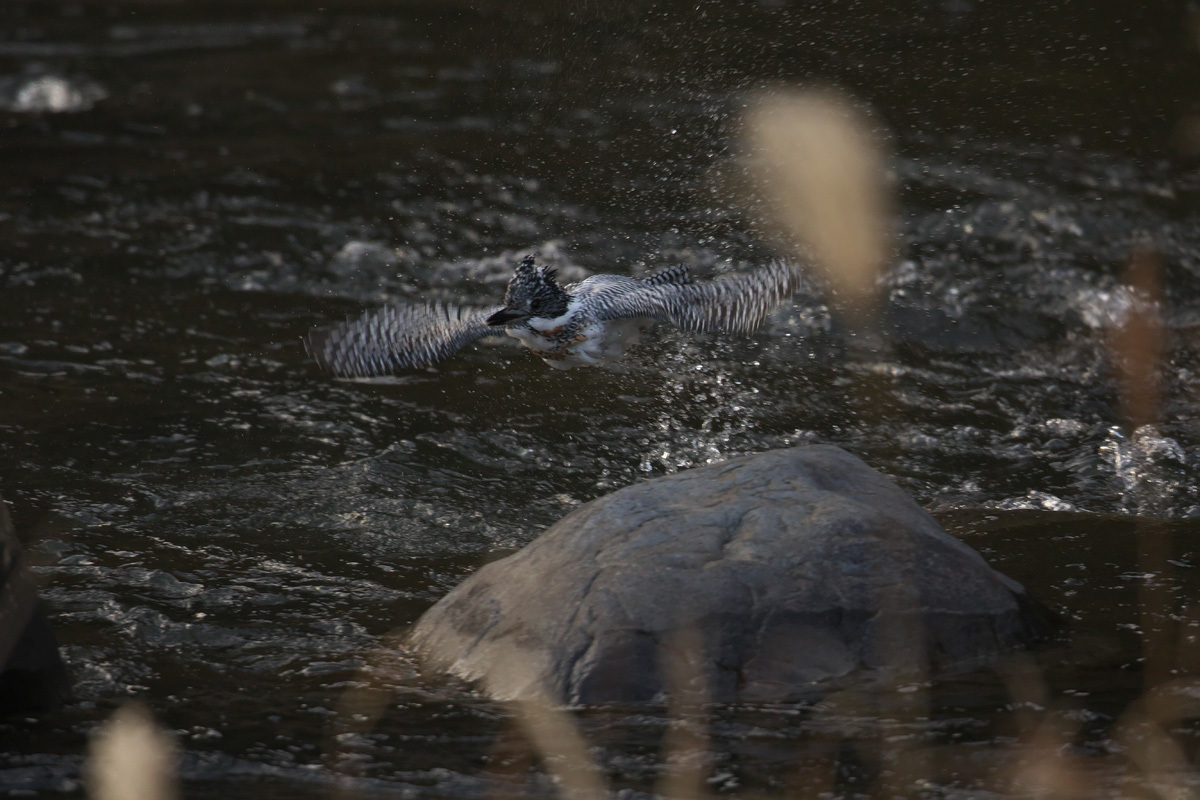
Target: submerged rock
x=788 y=569
x=33 y=676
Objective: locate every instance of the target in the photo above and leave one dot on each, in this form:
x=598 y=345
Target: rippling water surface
x=231 y=536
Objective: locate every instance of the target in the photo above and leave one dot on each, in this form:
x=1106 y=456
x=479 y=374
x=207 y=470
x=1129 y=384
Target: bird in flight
x=589 y=322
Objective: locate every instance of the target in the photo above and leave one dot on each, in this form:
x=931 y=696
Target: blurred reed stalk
x=820 y=187
x=1144 y=734
x=555 y=736
x=1040 y=768
x=1138 y=351
x=820 y=169
x=902 y=695
x=1187 y=128
x=1137 y=346
x=1137 y=343
x=685 y=745
x=563 y=749
x=1043 y=767
x=131 y=758
x=360 y=707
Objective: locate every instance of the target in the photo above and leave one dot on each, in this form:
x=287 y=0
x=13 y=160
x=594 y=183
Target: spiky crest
x=534 y=290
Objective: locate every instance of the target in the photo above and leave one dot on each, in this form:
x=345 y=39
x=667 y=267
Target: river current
x=232 y=537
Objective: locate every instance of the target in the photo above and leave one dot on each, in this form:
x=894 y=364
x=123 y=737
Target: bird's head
x=532 y=292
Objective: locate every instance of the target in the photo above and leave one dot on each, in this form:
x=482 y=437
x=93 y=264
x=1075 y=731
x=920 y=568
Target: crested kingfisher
x=590 y=322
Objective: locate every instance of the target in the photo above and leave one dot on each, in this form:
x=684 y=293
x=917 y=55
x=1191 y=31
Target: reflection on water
x=228 y=534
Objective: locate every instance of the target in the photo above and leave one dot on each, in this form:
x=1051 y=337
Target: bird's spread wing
x=737 y=303
x=394 y=337
x=676 y=275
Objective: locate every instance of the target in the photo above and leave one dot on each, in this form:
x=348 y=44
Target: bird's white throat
x=545 y=325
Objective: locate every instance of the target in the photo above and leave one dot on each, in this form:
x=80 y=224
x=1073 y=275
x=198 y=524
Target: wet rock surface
x=33 y=676
x=787 y=569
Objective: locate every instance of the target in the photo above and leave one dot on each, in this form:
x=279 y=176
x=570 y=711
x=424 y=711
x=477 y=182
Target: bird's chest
x=582 y=343
x=549 y=342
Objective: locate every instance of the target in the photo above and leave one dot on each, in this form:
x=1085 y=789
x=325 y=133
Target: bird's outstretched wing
x=737 y=303
x=394 y=337
x=675 y=275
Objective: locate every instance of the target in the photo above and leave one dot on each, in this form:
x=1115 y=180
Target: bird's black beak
x=503 y=317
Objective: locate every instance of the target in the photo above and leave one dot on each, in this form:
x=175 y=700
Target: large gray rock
x=791 y=567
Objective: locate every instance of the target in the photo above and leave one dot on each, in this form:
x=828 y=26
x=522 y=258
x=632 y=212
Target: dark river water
x=233 y=538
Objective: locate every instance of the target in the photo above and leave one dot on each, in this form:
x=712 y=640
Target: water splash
x=49 y=94
x=1150 y=470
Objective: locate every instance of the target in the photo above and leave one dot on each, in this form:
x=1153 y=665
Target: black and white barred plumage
x=590 y=322
x=395 y=337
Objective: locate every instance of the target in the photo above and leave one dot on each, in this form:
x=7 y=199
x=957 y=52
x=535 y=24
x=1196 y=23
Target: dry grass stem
x=685 y=745
x=1027 y=689
x=1137 y=340
x=1137 y=346
x=1165 y=769
x=131 y=758
x=1044 y=768
x=563 y=749
x=360 y=707
x=820 y=167
x=1156 y=604
x=1187 y=647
